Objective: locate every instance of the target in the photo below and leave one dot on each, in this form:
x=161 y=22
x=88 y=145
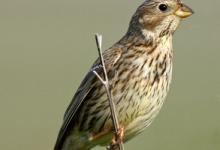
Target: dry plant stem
x=105 y=82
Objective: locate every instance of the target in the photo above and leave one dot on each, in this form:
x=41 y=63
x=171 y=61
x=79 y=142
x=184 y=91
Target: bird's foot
x=118 y=137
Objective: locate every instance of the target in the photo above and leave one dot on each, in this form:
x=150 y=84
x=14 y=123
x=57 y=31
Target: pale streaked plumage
x=139 y=68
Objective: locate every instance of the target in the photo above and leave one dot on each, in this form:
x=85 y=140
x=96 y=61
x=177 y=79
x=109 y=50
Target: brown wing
x=111 y=56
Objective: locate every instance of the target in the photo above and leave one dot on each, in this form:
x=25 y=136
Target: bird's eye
x=163 y=7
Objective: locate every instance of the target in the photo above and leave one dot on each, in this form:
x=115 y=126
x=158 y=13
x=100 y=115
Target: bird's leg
x=118 y=137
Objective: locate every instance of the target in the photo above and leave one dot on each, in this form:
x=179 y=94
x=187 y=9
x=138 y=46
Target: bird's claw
x=118 y=137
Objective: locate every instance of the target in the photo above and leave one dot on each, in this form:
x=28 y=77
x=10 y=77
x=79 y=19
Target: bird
x=139 y=68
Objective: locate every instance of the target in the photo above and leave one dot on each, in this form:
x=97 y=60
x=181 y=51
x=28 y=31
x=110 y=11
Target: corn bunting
x=139 y=67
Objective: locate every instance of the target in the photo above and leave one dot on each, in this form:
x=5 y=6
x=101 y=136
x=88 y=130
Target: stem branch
x=105 y=82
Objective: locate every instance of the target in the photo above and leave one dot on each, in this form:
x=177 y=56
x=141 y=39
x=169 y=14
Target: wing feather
x=111 y=56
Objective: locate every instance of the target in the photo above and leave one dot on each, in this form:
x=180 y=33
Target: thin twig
x=105 y=82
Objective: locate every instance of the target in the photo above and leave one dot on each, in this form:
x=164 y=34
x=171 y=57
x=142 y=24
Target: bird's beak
x=183 y=11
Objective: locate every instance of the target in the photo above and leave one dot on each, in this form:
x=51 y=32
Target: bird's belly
x=143 y=105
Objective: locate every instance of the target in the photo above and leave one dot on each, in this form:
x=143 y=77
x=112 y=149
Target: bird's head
x=159 y=17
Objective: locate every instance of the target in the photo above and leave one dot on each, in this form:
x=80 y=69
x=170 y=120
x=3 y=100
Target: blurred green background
x=47 y=46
